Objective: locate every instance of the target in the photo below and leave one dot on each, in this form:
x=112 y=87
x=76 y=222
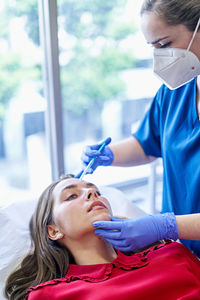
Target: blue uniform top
x=171 y=130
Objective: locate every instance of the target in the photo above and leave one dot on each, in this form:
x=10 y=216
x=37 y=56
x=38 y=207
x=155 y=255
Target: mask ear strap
x=195 y=31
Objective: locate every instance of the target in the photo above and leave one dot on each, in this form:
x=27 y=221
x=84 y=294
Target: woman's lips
x=95 y=205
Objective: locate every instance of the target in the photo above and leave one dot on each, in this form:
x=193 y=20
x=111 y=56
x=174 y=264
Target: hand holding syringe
x=93 y=155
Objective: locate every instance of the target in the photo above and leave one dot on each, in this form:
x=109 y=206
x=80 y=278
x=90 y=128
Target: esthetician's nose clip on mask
x=176 y=66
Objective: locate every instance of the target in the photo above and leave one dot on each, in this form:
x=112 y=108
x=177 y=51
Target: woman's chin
x=102 y=217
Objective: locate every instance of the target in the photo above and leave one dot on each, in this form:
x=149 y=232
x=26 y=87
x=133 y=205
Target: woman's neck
x=92 y=250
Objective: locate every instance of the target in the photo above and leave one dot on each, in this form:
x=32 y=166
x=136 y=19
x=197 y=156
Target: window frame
x=52 y=87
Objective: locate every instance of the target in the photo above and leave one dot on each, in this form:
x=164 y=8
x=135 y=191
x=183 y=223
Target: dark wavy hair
x=174 y=12
x=47 y=259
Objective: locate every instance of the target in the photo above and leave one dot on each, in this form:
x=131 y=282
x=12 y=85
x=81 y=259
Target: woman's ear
x=53 y=232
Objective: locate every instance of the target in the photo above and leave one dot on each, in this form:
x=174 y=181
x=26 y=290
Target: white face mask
x=176 y=66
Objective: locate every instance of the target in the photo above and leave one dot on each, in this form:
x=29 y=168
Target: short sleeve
x=148 y=133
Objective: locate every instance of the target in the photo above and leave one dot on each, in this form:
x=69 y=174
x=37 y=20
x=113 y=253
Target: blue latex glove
x=105 y=158
x=132 y=234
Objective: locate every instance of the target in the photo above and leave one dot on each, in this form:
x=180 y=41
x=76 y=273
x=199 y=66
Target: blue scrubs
x=171 y=130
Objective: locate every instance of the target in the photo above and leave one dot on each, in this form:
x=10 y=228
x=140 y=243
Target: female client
x=69 y=261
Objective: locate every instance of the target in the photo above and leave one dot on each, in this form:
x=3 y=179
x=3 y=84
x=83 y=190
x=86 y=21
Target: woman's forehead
x=153 y=26
x=71 y=183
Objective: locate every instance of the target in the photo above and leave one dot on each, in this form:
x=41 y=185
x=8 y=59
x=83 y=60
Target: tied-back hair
x=174 y=12
x=47 y=259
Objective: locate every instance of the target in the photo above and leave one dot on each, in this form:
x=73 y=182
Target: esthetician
x=170 y=129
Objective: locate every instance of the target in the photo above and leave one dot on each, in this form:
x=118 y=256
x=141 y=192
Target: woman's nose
x=91 y=194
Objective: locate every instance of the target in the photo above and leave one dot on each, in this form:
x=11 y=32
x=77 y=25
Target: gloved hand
x=103 y=158
x=132 y=234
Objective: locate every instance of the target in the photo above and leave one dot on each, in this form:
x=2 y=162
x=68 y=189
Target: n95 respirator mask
x=175 y=66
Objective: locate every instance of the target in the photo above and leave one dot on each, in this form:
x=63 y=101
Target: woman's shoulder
x=42 y=286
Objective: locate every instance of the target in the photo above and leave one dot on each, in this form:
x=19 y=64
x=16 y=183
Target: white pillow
x=14 y=236
x=120 y=204
x=14 y=228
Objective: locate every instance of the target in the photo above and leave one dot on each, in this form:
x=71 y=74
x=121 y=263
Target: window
x=24 y=169
x=107 y=82
x=72 y=73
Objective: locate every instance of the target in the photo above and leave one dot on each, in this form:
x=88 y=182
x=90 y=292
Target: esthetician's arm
x=129 y=152
x=125 y=153
x=188 y=226
x=132 y=234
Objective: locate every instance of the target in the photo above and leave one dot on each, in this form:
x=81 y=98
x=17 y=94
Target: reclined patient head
x=66 y=211
x=64 y=214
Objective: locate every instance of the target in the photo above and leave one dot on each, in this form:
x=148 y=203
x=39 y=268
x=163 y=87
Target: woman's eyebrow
x=71 y=186
x=158 y=40
x=90 y=184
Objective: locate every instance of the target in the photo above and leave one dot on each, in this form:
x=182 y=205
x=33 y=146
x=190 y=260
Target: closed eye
x=98 y=193
x=71 y=197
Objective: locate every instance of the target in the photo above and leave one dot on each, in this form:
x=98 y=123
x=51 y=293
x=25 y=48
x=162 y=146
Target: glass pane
x=107 y=81
x=24 y=166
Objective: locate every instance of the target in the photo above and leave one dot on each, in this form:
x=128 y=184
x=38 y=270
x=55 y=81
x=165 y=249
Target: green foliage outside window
x=91 y=74
x=13 y=71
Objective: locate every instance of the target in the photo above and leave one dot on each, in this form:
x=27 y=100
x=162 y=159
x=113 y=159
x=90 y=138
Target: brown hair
x=174 y=12
x=48 y=259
